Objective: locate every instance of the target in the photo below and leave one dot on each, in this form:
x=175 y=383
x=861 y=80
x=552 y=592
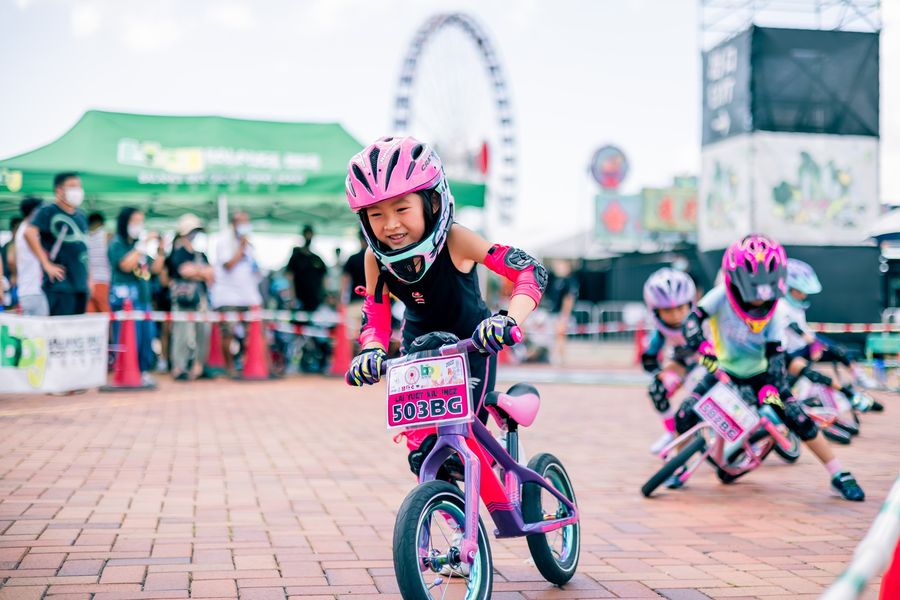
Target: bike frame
x=478 y=450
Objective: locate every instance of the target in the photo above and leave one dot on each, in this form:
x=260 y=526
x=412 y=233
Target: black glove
x=366 y=367
x=693 y=330
x=493 y=333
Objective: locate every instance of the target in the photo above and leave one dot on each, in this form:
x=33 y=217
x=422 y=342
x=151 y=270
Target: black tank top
x=443 y=300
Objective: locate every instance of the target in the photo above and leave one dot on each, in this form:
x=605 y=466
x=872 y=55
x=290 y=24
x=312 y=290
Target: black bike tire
x=533 y=512
x=668 y=469
x=756 y=436
x=793 y=454
x=406 y=558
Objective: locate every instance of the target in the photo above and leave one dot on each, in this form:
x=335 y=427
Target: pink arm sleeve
x=376 y=322
x=529 y=277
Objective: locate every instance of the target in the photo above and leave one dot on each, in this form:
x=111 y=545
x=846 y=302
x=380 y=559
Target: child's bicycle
x=823 y=399
x=441 y=547
x=734 y=437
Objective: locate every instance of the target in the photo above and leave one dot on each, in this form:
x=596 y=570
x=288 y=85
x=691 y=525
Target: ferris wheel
x=452 y=93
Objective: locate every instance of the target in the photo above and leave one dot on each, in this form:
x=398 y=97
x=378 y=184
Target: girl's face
x=398 y=222
x=675 y=316
x=797 y=294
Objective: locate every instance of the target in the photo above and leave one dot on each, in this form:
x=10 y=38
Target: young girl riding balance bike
x=419 y=255
x=748 y=345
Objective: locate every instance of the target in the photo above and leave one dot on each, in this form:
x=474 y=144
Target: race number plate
x=429 y=391
x=730 y=416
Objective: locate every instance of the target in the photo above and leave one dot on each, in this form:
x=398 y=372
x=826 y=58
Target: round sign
x=609 y=167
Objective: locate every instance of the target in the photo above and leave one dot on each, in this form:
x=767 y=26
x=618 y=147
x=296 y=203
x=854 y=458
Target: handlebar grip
x=514 y=336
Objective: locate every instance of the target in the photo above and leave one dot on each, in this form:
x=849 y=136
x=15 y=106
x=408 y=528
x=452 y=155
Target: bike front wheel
x=555 y=553
x=791 y=454
x=427 y=535
x=679 y=460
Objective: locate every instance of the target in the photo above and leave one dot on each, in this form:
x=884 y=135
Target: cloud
x=147 y=34
x=85 y=19
x=237 y=17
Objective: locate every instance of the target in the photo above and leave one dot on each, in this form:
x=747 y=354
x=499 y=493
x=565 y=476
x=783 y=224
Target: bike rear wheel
x=793 y=453
x=555 y=553
x=427 y=533
x=679 y=460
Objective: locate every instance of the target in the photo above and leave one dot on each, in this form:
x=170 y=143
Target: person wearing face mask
x=189 y=278
x=58 y=237
x=237 y=279
x=134 y=254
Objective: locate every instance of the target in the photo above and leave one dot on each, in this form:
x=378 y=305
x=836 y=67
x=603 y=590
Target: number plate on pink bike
x=429 y=391
x=730 y=416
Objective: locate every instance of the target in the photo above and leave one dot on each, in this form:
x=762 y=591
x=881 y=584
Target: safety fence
x=872 y=556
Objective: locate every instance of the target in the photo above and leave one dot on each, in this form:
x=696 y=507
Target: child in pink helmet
x=747 y=345
x=670 y=295
x=420 y=256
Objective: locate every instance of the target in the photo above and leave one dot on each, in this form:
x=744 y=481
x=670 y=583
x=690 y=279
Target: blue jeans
x=145 y=331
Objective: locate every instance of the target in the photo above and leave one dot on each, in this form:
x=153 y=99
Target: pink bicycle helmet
x=392 y=167
x=754 y=270
x=668 y=288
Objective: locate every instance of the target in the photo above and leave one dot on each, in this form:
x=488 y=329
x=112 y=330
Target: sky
x=581 y=74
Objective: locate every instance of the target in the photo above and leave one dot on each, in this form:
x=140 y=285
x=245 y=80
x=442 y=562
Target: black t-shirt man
x=63 y=236
x=355 y=269
x=308 y=271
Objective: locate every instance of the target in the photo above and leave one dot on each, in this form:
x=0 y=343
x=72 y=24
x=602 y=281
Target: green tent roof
x=282 y=173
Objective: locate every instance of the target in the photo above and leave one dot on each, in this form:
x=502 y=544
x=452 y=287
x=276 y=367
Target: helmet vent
x=409 y=171
x=417 y=152
x=357 y=172
x=373 y=160
x=392 y=164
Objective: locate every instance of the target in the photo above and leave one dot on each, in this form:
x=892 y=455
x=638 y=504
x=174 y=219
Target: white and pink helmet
x=392 y=167
x=668 y=288
x=754 y=269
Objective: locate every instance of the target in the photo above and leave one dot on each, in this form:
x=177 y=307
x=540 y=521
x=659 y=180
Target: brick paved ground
x=264 y=491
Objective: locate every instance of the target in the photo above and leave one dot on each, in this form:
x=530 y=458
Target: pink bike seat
x=520 y=403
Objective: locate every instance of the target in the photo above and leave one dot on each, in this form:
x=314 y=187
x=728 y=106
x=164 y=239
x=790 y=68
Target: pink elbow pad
x=376 y=322
x=529 y=276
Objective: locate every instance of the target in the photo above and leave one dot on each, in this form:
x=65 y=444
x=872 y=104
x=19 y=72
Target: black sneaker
x=877 y=406
x=847 y=487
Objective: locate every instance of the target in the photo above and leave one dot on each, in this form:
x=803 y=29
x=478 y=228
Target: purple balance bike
x=441 y=547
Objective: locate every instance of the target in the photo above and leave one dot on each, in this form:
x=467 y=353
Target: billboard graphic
x=726 y=89
x=618 y=218
x=672 y=209
x=724 y=197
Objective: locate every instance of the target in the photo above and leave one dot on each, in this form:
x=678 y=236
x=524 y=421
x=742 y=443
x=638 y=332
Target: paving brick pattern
x=288 y=490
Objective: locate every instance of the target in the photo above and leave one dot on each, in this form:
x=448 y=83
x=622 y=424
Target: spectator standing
x=237 y=279
x=133 y=255
x=190 y=275
x=58 y=236
x=98 y=263
x=562 y=291
x=352 y=277
x=8 y=261
x=29 y=275
x=308 y=272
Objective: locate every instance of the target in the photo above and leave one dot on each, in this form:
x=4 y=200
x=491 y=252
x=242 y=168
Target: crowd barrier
x=872 y=555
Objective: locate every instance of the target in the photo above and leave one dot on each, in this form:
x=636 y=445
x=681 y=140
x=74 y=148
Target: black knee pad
x=686 y=418
x=659 y=395
x=815 y=376
x=799 y=422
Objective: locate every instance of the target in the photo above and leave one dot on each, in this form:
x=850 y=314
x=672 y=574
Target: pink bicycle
x=441 y=547
x=734 y=437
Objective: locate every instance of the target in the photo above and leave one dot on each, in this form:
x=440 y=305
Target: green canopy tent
x=284 y=174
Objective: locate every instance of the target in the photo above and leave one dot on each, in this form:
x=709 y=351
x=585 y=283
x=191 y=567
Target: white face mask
x=244 y=229
x=135 y=230
x=198 y=242
x=74 y=197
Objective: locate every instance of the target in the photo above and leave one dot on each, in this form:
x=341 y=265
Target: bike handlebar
x=510 y=337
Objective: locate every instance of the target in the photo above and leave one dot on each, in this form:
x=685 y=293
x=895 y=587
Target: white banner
x=52 y=354
x=814 y=189
x=799 y=188
x=723 y=203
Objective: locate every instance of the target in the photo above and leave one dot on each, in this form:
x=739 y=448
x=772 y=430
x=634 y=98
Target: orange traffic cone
x=340 y=355
x=215 y=360
x=255 y=366
x=126 y=372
